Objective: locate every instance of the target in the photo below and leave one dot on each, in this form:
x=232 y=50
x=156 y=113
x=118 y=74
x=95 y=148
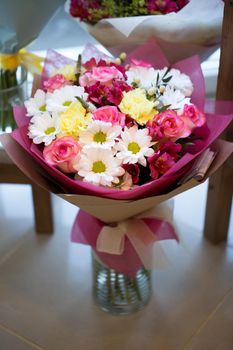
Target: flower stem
x=111 y=297
x=127 y=290
x=136 y=289
x=8 y=79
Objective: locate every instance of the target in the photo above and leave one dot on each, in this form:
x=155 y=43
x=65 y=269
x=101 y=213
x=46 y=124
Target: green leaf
x=78 y=69
x=168 y=70
x=83 y=103
x=157 y=79
x=166 y=80
x=164 y=108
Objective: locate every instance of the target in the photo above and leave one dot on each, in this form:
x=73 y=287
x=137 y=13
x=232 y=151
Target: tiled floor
x=45 y=287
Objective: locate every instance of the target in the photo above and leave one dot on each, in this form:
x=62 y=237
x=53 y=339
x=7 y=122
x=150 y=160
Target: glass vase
x=117 y=293
x=13 y=91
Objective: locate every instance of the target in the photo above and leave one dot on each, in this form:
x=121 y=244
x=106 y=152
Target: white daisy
x=134 y=146
x=99 y=134
x=44 y=128
x=141 y=76
x=100 y=167
x=61 y=99
x=36 y=105
x=175 y=99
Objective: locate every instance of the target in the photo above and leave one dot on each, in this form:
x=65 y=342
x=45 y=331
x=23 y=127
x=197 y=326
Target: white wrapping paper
x=195 y=29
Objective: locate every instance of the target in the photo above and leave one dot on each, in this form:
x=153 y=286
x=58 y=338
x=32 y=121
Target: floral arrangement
x=92 y=11
x=118 y=138
x=113 y=124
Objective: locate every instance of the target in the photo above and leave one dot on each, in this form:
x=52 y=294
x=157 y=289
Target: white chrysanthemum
x=100 y=167
x=178 y=81
x=36 y=105
x=142 y=76
x=134 y=146
x=44 y=128
x=99 y=134
x=181 y=82
x=175 y=99
x=61 y=99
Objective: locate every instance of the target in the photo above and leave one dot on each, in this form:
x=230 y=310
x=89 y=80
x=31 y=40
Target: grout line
x=12 y=251
x=209 y=318
x=20 y=337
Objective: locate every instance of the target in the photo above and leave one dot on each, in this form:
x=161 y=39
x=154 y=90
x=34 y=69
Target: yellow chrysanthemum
x=136 y=104
x=68 y=71
x=74 y=119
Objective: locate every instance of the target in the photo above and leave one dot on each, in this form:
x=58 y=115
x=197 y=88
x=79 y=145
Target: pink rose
x=139 y=63
x=168 y=125
x=193 y=117
x=104 y=74
x=110 y=114
x=63 y=153
x=55 y=82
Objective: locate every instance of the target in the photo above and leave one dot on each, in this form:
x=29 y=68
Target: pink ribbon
x=111 y=238
x=130 y=243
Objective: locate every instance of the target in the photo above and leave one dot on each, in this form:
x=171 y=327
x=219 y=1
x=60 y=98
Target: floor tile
x=216 y=333
x=10 y=341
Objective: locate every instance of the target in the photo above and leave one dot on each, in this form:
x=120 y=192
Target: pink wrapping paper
x=216 y=124
x=86 y=229
x=151 y=53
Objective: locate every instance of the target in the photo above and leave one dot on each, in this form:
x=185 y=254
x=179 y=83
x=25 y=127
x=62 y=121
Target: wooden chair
x=220 y=190
x=9 y=173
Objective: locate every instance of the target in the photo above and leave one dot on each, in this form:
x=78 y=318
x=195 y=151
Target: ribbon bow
x=31 y=61
x=142 y=231
x=128 y=244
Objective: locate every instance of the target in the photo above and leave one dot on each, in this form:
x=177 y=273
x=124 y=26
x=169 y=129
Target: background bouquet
x=93 y=11
x=15 y=34
x=194 y=26
x=116 y=138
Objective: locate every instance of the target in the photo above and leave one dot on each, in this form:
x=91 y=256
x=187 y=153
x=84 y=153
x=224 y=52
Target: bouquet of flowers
x=192 y=25
x=113 y=125
x=117 y=137
x=93 y=11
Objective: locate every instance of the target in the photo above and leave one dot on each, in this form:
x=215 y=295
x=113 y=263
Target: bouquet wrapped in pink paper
x=117 y=137
x=192 y=25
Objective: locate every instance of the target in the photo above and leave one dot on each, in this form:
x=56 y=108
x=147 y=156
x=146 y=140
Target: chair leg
x=218 y=207
x=42 y=210
x=219 y=199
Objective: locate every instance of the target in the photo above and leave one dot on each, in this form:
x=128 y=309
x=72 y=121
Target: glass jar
x=117 y=293
x=13 y=91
